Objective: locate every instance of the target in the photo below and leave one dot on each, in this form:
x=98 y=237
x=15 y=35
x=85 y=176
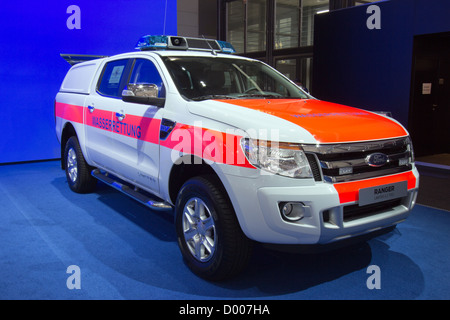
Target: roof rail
x=73 y=59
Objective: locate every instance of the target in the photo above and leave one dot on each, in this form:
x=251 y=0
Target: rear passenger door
x=100 y=116
x=135 y=133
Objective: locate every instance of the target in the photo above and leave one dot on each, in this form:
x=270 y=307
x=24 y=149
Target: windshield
x=201 y=78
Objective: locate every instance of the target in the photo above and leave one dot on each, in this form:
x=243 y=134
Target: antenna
x=209 y=45
x=165 y=17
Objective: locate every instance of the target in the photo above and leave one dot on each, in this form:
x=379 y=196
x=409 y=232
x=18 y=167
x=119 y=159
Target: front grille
x=315 y=169
x=348 y=161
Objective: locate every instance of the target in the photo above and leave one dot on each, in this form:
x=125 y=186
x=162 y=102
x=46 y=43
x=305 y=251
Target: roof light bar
x=182 y=43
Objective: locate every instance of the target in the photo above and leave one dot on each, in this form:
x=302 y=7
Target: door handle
x=120 y=115
x=91 y=109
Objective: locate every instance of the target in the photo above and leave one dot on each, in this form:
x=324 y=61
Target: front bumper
x=330 y=214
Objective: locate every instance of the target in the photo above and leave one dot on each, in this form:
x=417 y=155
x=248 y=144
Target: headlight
x=286 y=159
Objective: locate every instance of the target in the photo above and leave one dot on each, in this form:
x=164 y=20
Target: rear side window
x=112 y=80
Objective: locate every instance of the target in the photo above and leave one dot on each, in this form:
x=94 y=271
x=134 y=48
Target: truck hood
x=307 y=121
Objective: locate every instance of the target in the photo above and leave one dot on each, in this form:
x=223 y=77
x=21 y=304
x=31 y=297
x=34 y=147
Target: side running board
x=146 y=200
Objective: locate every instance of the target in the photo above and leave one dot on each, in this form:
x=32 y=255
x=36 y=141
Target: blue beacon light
x=152 y=42
x=226 y=46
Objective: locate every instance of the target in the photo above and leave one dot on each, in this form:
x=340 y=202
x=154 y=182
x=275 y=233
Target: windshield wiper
x=212 y=96
x=262 y=95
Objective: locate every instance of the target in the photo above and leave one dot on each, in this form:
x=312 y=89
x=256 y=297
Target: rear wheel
x=209 y=236
x=78 y=172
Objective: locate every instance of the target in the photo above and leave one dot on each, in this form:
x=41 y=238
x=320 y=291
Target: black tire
x=214 y=248
x=78 y=172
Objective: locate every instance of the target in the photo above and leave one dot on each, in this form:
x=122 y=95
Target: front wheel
x=209 y=236
x=78 y=172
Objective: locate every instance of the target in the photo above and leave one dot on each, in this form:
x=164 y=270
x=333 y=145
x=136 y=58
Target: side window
x=145 y=72
x=112 y=78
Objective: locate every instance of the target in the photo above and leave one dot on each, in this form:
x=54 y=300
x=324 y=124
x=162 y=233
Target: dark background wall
x=33 y=34
x=371 y=69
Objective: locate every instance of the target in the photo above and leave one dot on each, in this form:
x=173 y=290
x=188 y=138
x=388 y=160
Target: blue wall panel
x=431 y=16
x=33 y=35
x=371 y=69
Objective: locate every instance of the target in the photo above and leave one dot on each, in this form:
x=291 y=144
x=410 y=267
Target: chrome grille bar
x=340 y=148
x=358 y=162
x=349 y=162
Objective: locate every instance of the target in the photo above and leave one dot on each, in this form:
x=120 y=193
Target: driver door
x=136 y=126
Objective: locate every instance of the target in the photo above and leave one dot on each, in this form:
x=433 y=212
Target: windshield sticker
x=116 y=74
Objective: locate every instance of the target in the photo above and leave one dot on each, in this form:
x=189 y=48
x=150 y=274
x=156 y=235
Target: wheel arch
x=67 y=132
x=187 y=167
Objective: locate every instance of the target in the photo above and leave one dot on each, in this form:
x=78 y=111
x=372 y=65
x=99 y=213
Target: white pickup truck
x=238 y=151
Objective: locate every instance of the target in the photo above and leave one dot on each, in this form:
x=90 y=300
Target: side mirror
x=143 y=94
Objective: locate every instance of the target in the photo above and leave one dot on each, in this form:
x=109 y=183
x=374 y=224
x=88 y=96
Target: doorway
x=430 y=97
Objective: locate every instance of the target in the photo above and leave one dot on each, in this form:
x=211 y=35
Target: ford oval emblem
x=377 y=159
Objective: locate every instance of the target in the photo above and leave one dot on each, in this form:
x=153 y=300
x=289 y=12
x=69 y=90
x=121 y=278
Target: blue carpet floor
x=125 y=251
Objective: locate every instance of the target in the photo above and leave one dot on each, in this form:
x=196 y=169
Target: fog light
x=292 y=211
x=287 y=209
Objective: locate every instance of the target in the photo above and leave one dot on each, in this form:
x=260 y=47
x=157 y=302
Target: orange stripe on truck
x=211 y=145
x=327 y=122
x=69 y=112
x=349 y=191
